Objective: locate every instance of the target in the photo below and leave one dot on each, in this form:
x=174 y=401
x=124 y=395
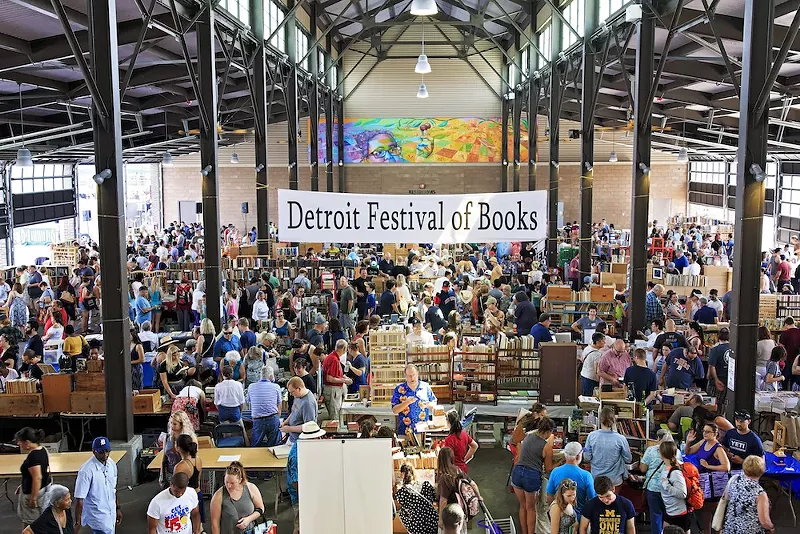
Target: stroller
x=503 y=526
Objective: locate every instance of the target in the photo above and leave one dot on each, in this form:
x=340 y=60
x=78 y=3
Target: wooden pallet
x=381 y=394
x=387 y=356
x=388 y=374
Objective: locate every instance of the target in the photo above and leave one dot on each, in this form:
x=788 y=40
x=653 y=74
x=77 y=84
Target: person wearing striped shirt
x=265 y=407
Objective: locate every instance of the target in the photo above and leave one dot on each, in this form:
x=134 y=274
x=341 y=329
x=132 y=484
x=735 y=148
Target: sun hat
x=465 y=295
x=311 y=430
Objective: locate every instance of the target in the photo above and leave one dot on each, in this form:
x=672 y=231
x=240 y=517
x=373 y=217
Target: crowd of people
x=497 y=288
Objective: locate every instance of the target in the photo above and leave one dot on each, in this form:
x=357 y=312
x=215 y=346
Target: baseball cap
x=445 y=284
x=320 y=319
x=742 y=415
x=101 y=444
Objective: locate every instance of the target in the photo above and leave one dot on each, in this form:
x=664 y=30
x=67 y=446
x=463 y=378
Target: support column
x=591 y=16
x=504 y=107
x=534 y=85
x=533 y=130
x=555 y=113
x=753 y=129
x=516 y=120
x=313 y=98
x=640 y=204
x=206 y=73
x=290 y=94
x=259 y=85
x=329 y=117
x=340 y=128
x=111 y=214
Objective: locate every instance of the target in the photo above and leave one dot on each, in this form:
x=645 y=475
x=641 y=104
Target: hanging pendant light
x=424 y=7
x=166 y=159
x=23 y=154
x=683 y=155
x=422 y=92
x=423 y=67
x=234 y=158
x=612 y=158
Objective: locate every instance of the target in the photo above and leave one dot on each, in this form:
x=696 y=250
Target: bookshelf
x=435 y=367
x=475 y=375
x=630 y=422
x=387 y=354
x=517 y=371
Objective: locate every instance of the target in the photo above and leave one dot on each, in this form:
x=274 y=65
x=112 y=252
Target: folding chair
x=229 y=435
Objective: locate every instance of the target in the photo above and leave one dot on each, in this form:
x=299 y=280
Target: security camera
x=259 y=167
x=104 y=175
x=207 y=170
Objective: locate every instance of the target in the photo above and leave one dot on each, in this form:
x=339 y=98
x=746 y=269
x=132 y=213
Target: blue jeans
x=227 y=414
x=587 y=386
x=655 y=504
x=265 y=431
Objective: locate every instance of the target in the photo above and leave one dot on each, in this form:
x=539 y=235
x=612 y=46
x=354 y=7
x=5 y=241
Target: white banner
x=307 y=216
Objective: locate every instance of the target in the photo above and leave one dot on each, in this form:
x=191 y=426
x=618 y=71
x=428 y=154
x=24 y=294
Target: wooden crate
x=64 y=255
x=381 y=394
x=599 y=294
x=90 y=381
x=389 y=374
x=94 y=366
x=559 y=293
x=56 y=390
x=21 y=404
x=147 y=401
x=88 y=401
x=444 y=392
x=392 y=356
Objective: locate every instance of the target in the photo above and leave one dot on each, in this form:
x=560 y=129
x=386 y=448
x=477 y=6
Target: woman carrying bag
x=35 y=470
x=237 y=505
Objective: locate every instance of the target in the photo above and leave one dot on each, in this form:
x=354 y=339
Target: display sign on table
x=347 y=217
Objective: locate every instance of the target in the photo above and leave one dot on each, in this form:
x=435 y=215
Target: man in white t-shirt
x=418 y=336
x=714 y=302
x=6 y=373
x=591 y=355
x=174 y=510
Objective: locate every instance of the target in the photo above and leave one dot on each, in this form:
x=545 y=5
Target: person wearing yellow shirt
x=73 y=345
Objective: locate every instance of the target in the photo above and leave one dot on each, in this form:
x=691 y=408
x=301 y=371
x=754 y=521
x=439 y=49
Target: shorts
x=347 y=320
x=678 y=520
x=296 y=508
x=527 y=479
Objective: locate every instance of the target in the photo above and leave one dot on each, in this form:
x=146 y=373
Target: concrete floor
x=489 y=469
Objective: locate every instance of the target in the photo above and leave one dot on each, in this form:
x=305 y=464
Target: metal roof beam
x=46 y=8
x=30 y=79
x=14 y=44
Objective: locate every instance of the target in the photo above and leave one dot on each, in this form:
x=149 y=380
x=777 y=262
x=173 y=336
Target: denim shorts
x=527 y=479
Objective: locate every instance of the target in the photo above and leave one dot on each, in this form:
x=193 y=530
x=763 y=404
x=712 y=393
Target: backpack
x=694 y=493
x=467 y=497
x=181 y=296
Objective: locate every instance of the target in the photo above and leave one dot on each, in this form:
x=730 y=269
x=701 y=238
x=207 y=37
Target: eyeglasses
x=227 y=333
x=707 y=431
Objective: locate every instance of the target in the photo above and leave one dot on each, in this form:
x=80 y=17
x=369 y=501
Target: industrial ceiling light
x=23 y=154
x=424 y=7
x=423 y=67
x=612 y=158
x=683 y=155
x=423 y=91
x=24 y=158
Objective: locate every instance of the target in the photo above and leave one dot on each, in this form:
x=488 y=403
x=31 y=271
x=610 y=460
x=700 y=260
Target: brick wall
x=612 y=186
x=237 y=185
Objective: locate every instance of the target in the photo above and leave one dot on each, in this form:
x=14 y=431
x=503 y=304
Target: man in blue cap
x=96 y=503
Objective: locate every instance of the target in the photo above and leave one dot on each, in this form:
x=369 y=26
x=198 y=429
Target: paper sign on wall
x=345 y=217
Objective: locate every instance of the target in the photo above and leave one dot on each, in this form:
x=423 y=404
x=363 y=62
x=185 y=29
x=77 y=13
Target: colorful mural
x=423 y=140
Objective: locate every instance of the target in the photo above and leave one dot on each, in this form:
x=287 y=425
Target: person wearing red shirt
x=55 y=308
x=784 y=273
x=574 y=274
x=790 y=339
x=334 y=379
x=463 y=445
